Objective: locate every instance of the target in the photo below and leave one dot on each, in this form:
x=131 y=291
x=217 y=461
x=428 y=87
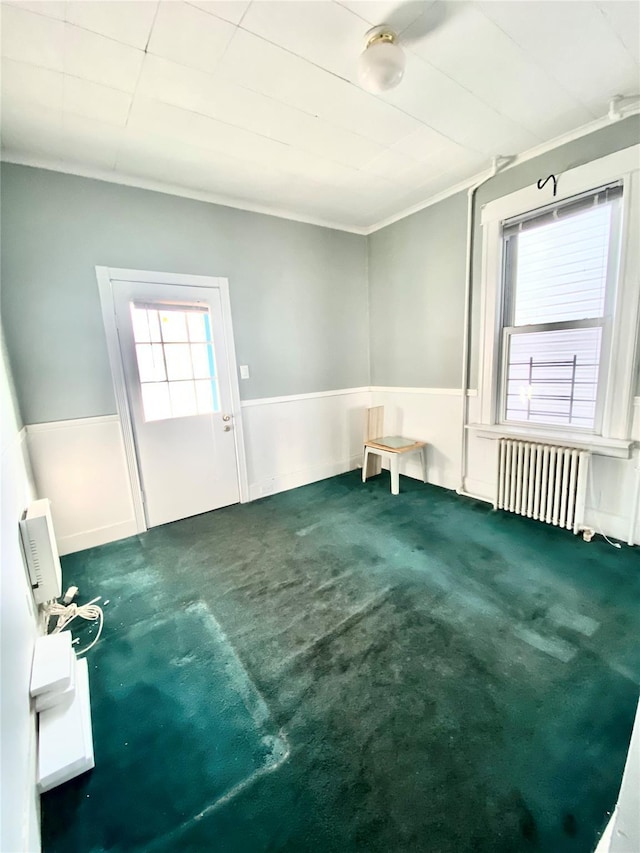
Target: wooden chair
x=377 y=447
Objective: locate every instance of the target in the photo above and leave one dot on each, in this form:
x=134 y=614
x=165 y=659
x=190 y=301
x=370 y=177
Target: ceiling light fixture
x=382 y=62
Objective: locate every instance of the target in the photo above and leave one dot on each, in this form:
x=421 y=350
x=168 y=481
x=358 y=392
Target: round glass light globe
x=381 y=66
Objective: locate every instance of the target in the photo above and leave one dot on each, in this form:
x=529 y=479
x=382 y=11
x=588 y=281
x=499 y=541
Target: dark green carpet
x=338 y=669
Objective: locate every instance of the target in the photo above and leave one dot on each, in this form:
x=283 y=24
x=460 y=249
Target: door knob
x=226 y=417
x=227 y=428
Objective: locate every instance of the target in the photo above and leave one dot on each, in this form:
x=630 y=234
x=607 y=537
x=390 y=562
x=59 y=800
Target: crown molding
x=112 y=177
x=530 y=154
x=421 y=205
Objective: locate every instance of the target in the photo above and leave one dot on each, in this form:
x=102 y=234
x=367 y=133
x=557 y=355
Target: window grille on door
x=176 y=360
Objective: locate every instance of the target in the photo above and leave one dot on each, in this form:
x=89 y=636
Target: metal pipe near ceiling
x=498 y=163
x=621 y=106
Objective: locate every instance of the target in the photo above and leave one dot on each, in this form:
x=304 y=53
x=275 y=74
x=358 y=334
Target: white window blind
x=560 y=267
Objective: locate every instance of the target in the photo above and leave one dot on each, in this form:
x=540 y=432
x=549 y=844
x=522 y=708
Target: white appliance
x=65 y=738
x=41 y=552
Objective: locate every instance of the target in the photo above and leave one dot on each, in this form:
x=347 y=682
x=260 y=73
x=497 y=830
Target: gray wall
x=416 y=303
x=11 y=405
x=416 y=271
x=298 y=292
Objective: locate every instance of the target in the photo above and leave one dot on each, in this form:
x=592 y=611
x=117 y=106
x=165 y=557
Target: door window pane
x=172 y=348
x=146 y=325
x=173 y=325
x=202 y=360
x=140 y=321
x=154 y=326
x=178 y=358
x=197 y=327
x=150 y=362
x=204 y=396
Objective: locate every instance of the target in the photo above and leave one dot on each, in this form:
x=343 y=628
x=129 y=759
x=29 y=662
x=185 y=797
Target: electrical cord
x=66 y=613
x=595 y=511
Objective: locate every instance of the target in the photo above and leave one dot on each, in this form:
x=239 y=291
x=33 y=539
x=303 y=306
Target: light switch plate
x=244 y=371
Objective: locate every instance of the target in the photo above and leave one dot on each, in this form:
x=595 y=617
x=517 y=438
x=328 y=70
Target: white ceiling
x=257 y=103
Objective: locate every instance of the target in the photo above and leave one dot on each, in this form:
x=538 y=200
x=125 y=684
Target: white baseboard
x=302 y=478
x=100 y=536
x=614 y=526
x=298 y=440
x=480 y=489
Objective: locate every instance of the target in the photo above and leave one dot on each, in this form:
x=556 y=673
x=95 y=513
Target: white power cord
x=66 y=613
x=594 y=510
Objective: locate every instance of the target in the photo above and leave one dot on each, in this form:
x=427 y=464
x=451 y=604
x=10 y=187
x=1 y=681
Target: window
x=560 y=269
x=558 y=349
x=176 y=362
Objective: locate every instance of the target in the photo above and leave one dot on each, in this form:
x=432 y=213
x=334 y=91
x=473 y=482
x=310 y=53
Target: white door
x=175 y=365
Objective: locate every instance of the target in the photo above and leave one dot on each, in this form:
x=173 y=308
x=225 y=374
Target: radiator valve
x=588 y=534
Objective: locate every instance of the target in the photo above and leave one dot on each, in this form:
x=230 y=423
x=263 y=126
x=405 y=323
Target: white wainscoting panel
x=482 y=459
x=426 y=414
x=610 y=497
x=80 y=465
x=292 y=441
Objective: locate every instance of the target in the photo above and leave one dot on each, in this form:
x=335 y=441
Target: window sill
x=615 y=447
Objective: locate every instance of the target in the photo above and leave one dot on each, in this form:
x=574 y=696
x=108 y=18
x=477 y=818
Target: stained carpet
x=338 y=669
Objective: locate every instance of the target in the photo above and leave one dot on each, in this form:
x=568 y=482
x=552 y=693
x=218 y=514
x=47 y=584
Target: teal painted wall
x=298 y=292
x=417 y=271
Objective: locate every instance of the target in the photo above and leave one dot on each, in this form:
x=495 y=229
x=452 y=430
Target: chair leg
x=364 y=465
x=423 y=456
x=394 y=465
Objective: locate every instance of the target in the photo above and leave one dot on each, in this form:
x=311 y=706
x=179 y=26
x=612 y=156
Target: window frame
x=618 y=370
x=605 y=322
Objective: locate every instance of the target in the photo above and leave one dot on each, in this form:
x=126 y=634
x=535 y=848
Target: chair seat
x=394 y=444
x=391 y=447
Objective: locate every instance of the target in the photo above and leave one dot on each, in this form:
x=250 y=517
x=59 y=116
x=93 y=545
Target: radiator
x=543 y=481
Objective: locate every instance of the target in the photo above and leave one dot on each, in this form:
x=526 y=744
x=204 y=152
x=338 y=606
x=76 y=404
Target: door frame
x=106 y=276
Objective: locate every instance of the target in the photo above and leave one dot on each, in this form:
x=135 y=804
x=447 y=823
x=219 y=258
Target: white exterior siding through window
x=560 y=269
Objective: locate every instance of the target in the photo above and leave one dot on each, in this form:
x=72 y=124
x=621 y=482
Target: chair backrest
x=374 y=426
